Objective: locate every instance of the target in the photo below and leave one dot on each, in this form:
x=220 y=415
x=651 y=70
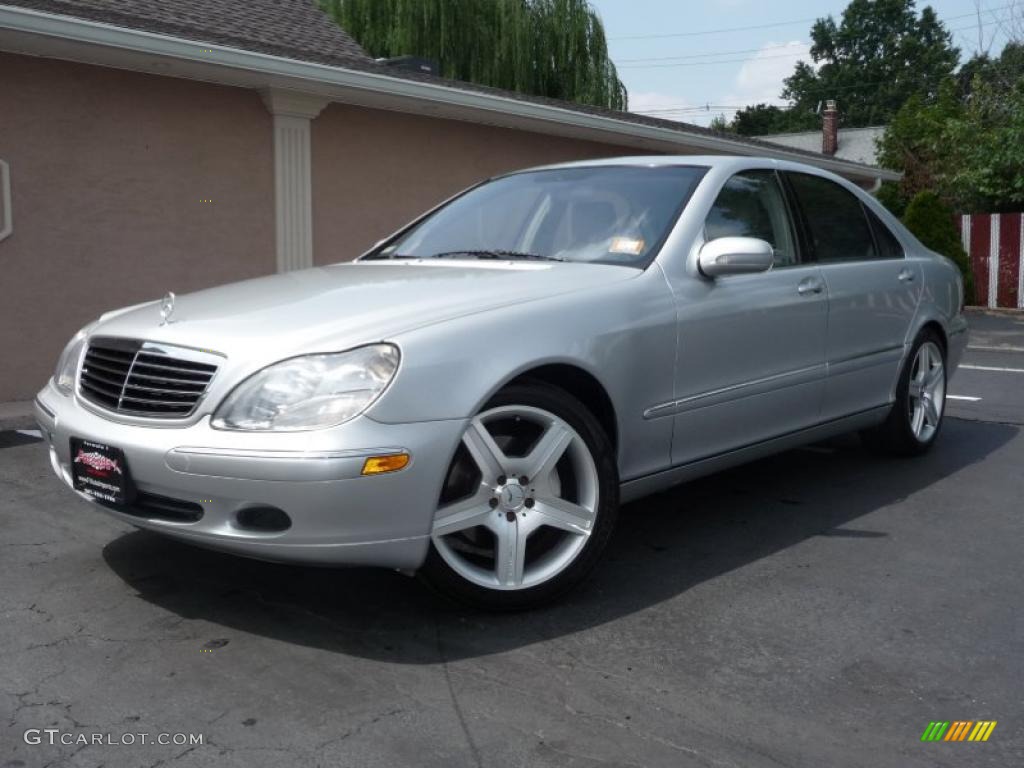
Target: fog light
x=376 y=465
x=270 y=519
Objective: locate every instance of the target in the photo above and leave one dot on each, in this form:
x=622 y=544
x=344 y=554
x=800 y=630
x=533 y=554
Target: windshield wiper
x=496 y=254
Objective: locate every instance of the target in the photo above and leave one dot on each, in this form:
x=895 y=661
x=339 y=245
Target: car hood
x=335 y=307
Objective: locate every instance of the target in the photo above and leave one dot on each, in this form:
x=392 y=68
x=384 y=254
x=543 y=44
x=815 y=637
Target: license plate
x=101 y=472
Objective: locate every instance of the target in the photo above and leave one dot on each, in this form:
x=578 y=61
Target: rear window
x=836 y=223
x=888 y=246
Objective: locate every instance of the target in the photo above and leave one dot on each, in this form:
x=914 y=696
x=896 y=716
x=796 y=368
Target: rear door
x=873 y=293
x=751 y=348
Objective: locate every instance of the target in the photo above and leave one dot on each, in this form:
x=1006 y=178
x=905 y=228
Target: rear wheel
x=916 y=417
x=528 y=503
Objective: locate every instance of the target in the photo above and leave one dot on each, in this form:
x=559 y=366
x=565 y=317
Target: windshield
x=606 y=214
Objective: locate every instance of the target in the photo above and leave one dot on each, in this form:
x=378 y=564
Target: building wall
x=128 y=185
x=375 y=170
x=109 y=171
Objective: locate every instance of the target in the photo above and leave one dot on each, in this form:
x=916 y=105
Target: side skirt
x=648 y=484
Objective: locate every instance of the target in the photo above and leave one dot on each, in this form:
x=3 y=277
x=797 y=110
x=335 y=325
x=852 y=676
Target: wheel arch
x=579 y=383
x=928 y=322
x=940 y=331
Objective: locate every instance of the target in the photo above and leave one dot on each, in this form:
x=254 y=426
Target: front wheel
x=528 y=504
x=916 y=416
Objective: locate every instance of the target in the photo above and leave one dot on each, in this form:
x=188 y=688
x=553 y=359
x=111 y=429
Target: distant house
x=156 y=145
x=855 y=145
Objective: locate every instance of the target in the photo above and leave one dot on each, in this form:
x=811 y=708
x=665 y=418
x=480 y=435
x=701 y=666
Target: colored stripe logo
x=958 y=730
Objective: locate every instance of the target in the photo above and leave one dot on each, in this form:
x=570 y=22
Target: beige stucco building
x=156 y=145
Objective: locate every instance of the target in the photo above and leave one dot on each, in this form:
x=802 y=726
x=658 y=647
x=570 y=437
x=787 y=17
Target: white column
x=293 y=190
x=1020 y=270
x=993 y=262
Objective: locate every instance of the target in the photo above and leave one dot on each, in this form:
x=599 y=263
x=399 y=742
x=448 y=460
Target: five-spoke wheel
x=927 y=391
x=531 y=485
x=916 y=416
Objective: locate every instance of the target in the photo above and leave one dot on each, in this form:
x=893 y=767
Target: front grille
x=154 y=507
x=136 y=377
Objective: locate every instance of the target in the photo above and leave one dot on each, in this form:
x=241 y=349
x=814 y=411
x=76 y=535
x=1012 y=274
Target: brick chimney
x=830 y=128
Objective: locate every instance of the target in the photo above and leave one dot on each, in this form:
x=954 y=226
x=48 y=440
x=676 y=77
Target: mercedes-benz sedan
x=474 y=397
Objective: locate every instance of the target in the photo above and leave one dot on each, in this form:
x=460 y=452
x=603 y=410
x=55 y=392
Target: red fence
x=996 y=247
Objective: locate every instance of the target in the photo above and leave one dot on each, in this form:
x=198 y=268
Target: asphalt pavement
x=990 y=383
x=817 y=608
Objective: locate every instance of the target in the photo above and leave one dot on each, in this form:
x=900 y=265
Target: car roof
x=727 y=162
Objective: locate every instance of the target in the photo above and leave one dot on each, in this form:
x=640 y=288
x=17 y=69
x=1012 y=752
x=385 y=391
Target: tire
x=501 y=545
x=915 y=420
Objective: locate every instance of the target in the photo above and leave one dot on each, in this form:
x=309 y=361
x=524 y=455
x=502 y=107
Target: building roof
x=295 y=29
x=855 y=144
x=809 y=150
x=294 y=44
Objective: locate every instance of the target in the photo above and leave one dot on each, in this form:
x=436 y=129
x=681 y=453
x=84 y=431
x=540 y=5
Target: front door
x=751 y=348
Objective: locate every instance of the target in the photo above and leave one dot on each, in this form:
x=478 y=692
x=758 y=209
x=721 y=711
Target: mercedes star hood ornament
x=167 y=308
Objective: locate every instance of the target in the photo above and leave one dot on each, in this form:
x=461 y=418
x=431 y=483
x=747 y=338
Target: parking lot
x=818 y=608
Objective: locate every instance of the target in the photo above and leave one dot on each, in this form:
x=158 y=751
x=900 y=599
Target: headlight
x=67 y=364
x=310 y=392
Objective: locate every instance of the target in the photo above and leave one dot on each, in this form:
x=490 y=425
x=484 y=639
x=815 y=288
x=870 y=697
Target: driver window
x=751 y=204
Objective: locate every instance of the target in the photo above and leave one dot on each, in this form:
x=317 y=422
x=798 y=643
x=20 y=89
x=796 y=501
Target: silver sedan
x=474 y=397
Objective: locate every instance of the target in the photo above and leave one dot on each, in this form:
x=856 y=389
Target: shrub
x=891 y=196
x=931 y=220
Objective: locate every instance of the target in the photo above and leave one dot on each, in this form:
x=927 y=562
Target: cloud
x=760 y=78
x=654 y=101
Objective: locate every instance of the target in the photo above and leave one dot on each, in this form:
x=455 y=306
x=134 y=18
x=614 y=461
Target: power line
x=795 y=54
x=687 y=110
x=830 y=90
x=692 y=109
x=769 y=26
x=706 y=54
x=713 y=31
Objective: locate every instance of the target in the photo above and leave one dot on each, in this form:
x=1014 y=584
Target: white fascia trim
x=5 y=201
x=80 y=30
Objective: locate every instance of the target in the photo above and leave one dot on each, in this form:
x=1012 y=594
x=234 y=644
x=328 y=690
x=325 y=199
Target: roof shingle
x=295 y=29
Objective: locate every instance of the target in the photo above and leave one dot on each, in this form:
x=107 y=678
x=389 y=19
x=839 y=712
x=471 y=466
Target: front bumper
x=337 y=515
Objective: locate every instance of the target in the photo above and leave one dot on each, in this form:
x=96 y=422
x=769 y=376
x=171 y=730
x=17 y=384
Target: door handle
x=905 y=276
x=809 y=285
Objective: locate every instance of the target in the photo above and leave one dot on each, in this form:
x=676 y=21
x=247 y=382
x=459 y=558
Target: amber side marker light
x=378 y=465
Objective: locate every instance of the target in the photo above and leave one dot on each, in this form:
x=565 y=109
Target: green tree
x=931 y=221
x=891 y=196
x=982 y=167
x=966 y=143
x=1001 y=72
x=720 y=124
x=914 y=142
x=553 y=48
x=878 y=55
x=762 y=119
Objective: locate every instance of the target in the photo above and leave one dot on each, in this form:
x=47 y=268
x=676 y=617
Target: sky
x=727 y=68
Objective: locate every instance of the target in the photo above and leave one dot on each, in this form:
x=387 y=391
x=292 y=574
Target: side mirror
x=735 y=256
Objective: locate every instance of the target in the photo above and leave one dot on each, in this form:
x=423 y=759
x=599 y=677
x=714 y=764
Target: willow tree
x=554 y=48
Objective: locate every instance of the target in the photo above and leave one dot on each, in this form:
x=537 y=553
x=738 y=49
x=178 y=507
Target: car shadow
x=664 y=545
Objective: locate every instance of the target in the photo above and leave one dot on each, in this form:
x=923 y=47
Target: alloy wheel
x=520 y=501
x=927 y=392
